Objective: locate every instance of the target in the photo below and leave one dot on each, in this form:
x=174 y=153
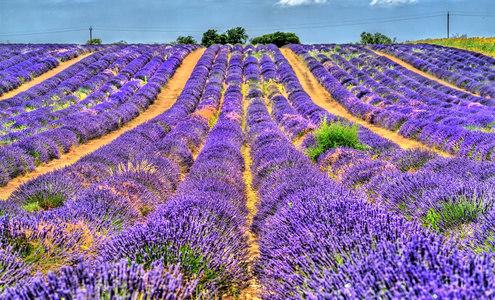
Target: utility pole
x=448 y=24
x=90 y=33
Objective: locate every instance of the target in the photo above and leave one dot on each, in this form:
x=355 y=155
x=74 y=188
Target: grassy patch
x=452 y=214
x=337 y=134
x=31 y=207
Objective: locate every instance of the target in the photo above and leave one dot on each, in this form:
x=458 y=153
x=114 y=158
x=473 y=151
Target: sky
x=314 y=21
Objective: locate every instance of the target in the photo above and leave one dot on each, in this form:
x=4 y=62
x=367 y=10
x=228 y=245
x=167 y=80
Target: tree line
x=238 y=35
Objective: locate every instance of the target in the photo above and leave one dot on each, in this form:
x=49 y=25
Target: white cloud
x=391 y=2
x=300 y=2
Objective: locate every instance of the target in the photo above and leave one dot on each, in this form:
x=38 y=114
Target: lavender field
x=305 y=172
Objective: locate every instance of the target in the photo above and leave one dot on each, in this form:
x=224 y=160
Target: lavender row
x=398 y=84
x=475 y=144
x=355 y=169
x=319 y=240
x=297 y=113
x=457 y=200
x=106 y=92
x=13 y=54
x=61 y=84
x=385 y=88
x=453 y=196
x=30 y=117
x=188 y=135
x=23 y=72
x=470 y=73
x=22 y=157
x=203 y=224
x=149 y=150
x=23 y=68
x=387 y=85
x=120 y=184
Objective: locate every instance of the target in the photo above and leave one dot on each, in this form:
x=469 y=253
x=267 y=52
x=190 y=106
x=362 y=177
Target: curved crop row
x=318 y=240
x=449 y=137
x=104 y=193
x=464 y=69
x=102 y=118
x=17 y=69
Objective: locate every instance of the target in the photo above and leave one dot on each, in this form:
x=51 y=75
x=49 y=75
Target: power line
x=278 y=26
x=344 y=24
x=145 y=30
x=287 y=26
x=41 y=32
x=340 y=23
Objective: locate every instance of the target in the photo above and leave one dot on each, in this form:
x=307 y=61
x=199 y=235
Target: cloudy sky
x=314 y=21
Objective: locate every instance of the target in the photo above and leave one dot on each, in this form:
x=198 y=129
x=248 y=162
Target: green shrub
x=333 y=135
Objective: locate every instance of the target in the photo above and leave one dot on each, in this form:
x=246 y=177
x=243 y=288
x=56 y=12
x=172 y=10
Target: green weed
x=337 y=134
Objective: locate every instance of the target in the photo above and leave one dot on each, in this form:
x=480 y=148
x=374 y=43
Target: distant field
x=480 y=44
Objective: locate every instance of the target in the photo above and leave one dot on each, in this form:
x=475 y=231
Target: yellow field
x=479 y=44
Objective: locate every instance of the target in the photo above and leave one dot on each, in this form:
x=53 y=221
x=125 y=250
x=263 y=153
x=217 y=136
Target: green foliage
x=232 y=36
x=121 y=42
x=338 y=134
x=210 y=37
x=93 y=41
x=31 y=207
x=277 y=38
x=185 y=40
x=47 y=197
x=452 y=213
x=236 y=35
x=377 y=38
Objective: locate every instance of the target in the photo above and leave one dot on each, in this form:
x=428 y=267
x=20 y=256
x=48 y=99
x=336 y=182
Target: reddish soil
x=322 y=98
x=164 y=101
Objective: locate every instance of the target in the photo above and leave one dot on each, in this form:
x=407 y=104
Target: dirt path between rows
x=64 y=65
x=251 y=292
x=164 y=101
x=322 y=98
x=424 y=74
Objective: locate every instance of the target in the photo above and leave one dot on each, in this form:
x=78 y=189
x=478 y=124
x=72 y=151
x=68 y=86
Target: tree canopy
x=278 y=38
x=236 y=35
x=185 y=40
x=233 y=36
x=377 y=38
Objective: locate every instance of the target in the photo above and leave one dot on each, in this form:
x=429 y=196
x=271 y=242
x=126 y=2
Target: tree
x=186 y=40
x=232 y=36
x=377 y=38
x=222 y=39
x=121 y=42
x=210 y=37
x=278 y=38
x=236 y=35
x=93 y=42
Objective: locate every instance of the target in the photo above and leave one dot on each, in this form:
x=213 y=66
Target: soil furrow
x=163 y=102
